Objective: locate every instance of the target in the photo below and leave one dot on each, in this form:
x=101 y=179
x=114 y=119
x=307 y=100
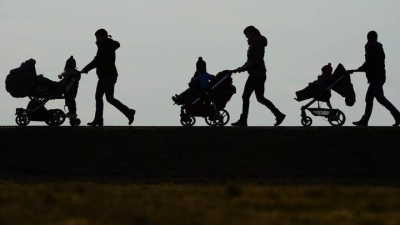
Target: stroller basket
x=319 y=111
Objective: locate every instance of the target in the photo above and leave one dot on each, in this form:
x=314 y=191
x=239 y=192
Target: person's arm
x=245 y=67
x=90 y=66
x=116 y=45
x=113 y=45
x=248 y=64
x=254 y=56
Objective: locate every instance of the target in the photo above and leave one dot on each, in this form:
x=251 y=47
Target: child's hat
x=327 y=68
x=71 y=63
x=201 y=64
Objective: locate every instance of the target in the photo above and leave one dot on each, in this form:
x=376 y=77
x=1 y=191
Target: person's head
x=372 y=36
x=101 y=35
x=201 y=65
x=327 y=69
x=251 y=32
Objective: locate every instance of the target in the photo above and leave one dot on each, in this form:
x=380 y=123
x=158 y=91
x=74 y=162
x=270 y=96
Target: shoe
x=360 y=123
x=71 y=115
x=242 y=122
x=131 y=116
x=177 y=100
x=279 y=118
x=397 y=123
x=95 y=123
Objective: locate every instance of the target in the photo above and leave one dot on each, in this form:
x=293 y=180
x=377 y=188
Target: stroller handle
x=353 y=71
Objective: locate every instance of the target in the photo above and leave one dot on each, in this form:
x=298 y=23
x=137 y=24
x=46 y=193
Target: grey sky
x=161 y=41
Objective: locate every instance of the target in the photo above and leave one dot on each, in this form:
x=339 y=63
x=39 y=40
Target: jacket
x=374 y=65
x=201 y=80
x=104 y=61
x=255 y=56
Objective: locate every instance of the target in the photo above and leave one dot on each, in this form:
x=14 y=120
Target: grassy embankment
x=159 y=175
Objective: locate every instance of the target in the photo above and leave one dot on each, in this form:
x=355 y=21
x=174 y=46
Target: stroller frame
x=36 y=110
x=213 y=115
x=335 y=116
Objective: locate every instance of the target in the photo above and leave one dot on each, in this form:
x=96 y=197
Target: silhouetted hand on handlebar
x=238 y=70
x=352 y=71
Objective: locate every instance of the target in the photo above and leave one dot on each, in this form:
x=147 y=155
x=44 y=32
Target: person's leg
x=369 y=103
x=70 y=102
x=259 y=90
x=109 y=85
x=259 y=83
x=380 y=97
x=188 y=94
x=248 y=90
x=98 y=117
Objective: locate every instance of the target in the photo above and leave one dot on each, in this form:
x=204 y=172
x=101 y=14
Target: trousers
x=256 y=84
x=105 y=86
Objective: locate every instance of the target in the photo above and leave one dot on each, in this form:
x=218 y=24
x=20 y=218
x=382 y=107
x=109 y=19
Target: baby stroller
x=210 y=104
x=340 y=82
x=24 y=82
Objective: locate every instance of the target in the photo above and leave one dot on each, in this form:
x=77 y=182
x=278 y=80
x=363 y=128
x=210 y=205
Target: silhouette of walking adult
x=104 y=62
x=255 y=66
x=374 y=68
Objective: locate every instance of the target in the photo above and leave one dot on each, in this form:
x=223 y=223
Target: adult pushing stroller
x=24 y=82
x=210 y=103
x=339 y=82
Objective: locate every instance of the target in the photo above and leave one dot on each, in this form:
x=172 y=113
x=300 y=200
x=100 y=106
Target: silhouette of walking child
x=71 y=87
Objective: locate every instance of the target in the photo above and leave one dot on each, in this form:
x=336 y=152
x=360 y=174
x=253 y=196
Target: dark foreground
x=201 y=155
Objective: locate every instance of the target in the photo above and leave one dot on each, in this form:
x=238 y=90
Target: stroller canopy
x=21 y=81
x=341 y=84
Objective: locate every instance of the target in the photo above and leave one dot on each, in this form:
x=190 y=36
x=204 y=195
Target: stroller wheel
x=56 y=117
x=188 y=120
x=306 y=121
x=75 y=122
x=22 y=120
x=211 y=121
x=336 y=118
x=221 y=118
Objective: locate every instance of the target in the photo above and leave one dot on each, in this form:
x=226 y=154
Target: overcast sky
x=161 y=41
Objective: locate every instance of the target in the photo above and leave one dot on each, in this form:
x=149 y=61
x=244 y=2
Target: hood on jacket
x=115 y=44
x=261 y=38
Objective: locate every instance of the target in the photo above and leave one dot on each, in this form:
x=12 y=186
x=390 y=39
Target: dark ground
x=201 y=155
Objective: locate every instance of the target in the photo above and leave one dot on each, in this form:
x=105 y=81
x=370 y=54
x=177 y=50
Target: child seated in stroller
x=197 y=85
x=316 y=89
x=326 y=73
